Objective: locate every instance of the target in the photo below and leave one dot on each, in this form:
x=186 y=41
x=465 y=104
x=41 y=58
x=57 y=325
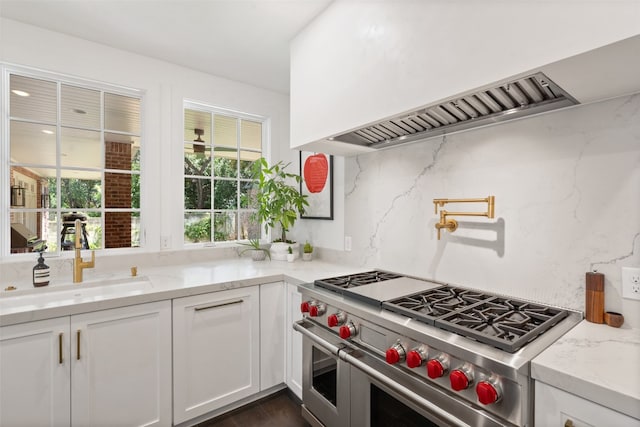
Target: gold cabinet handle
x=60 y=360
x=568 y=423
x=78 y=345
x=222 y=304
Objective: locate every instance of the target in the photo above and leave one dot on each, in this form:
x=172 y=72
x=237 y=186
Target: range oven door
x=380 y=402
x=325 y=379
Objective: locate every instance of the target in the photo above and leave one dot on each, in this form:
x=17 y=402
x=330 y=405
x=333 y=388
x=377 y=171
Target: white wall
x=165 y=86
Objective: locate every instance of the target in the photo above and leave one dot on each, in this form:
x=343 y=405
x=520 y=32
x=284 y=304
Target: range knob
x=461 y=378
x=304 y=307
x=395 y=354
x=416 y=357
x=437 y=367
x=347 y=331
x=488 y=392
x=336 y=319
x=317 y=309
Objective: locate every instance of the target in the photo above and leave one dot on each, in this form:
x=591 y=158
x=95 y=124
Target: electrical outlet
x=347 y=243
x=165 y=242
x=631 y=283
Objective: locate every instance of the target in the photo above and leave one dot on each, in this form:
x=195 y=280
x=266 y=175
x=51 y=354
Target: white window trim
x=6 y=69
x=266 y=153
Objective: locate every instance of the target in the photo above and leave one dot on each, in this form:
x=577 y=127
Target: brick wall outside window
x=117 y=194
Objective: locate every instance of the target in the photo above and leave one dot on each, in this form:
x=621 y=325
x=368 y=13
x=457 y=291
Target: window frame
x=60 y=80
x=264 y=152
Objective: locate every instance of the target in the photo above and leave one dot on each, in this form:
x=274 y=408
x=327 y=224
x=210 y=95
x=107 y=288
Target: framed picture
x=316 y=170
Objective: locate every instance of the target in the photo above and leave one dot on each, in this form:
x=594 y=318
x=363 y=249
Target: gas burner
x=353 y=280
x=504 y=323
x=428 y=305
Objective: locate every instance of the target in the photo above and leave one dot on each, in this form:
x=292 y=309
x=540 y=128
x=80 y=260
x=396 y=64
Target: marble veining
x=566 y=186
x=596 y=362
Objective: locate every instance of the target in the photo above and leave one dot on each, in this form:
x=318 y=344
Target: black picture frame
x=320 y=204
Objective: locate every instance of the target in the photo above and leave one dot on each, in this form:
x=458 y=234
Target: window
x=219 y=150
x=74 y=153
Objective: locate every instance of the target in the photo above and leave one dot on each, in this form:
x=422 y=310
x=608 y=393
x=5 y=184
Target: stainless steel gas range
x=382 y=349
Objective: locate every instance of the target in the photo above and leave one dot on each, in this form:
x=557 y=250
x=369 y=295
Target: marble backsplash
x=567 y=191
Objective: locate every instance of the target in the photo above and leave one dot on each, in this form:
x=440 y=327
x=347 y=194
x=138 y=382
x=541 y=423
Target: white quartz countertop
x=105 y=291
x=596 y=362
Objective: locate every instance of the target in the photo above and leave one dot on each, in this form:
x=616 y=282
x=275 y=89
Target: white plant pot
x=279 y=250
x=258 y=255
x=291 y=257
x=307 y=256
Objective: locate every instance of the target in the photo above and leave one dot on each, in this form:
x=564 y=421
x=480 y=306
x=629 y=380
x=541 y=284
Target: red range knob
x=459 y=380
x=395 y=354
x=435 y=369
x=332 y=320
x=487 y=393
x=414 y=359
x=304 y=307
x=336 y=319
x=392 y=356
x=316 y=310
x=347 y=331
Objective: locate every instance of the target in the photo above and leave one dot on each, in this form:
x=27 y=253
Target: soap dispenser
x=41 y=271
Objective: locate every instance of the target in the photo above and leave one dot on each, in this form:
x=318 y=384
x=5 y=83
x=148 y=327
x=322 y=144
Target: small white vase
x=279 y=250
x=291 y=257
x=258 y=255
x=307 y=256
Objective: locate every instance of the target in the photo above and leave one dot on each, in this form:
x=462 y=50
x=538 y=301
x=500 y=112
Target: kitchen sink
x=53 y=296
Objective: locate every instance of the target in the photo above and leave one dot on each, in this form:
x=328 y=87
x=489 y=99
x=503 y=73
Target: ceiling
x=242 y=40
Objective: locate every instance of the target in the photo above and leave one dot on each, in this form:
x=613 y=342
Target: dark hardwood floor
x=278 y=410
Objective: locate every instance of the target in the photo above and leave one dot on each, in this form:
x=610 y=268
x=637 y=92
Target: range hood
x=521 y=97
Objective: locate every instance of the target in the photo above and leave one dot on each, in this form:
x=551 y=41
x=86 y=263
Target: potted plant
x=257 y=253
x=307 y=250
x=278 y=203
x=290 y=255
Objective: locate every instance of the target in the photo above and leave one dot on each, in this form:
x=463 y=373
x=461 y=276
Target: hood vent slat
x=526 y=96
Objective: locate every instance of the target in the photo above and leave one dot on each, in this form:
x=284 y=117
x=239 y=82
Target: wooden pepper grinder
x=594 y=309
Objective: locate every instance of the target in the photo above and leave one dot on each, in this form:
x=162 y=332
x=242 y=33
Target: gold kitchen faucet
x=452 y=224
x=78 y=263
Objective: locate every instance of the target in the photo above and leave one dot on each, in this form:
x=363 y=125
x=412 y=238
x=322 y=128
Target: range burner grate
x=337 y=284
x=504 y=323
x=431 y=304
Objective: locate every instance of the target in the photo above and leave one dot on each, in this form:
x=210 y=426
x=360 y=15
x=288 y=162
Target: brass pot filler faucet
x=452 y=224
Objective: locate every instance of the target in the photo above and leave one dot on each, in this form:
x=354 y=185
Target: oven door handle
x=303 y=326
x=400 y=389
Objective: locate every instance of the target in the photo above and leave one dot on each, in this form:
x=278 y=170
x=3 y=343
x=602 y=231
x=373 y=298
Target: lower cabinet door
x=216 y=350
x=294 y=341
x=34 y=374
x=121 y=366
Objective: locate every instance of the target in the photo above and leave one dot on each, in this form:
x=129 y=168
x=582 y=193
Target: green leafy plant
x=279 y=202
x=307 y=249
x=254 y=245
x=290 y=251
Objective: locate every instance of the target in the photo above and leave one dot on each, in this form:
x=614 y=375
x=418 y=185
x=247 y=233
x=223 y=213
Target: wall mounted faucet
x=452 y=224
x=78 y=263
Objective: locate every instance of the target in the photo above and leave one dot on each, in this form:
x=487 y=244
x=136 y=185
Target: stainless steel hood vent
x=526 y=96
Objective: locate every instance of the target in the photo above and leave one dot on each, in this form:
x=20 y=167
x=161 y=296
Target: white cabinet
x=293 y=377
x=555 y=407
x=110 y=367
x=216 y=350
x=121 y=366
x=34 y=374
x=272 y=334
